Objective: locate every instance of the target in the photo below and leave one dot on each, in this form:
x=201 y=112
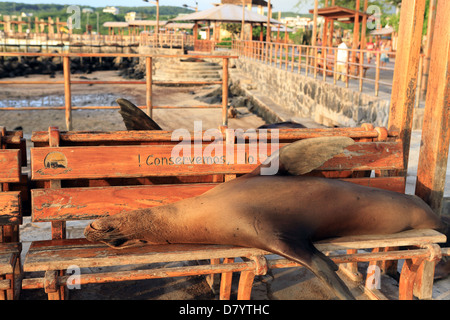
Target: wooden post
x=362 y=46
x=355 y=36
x=432 y=165
x=314 y=34
x=269 y=16
x=225 y=92
x=292 y=58
x=405 y=72
x=67 y=92
x=157 y=19
x=243 y=20
x=148 y=79
x=430 y=34
x=377 y=72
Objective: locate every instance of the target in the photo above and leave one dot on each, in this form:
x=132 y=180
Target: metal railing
x=149 y=82
x=321 y=61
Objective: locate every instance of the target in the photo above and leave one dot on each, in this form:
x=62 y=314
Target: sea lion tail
x=134 y=118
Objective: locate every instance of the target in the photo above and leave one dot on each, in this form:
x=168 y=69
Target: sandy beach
x=109 y=120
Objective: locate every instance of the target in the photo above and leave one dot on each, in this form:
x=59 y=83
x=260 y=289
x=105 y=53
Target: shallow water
x=57 y=100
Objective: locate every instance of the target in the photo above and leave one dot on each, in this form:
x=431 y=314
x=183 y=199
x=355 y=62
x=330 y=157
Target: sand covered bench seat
x=85 y=176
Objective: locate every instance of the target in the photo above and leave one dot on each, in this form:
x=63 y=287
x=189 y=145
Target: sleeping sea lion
x=136 y=119
x=283 y=213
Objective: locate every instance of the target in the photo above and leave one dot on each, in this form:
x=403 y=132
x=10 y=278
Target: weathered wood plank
x=166 y=136
x=8 y=255
x=51 y=255
x=405 y=73
x=59 y=254
x=10 y=209
x=93 y=203
x=10 y=165
x=157 y=160
x=435 y=141
x=406 y=238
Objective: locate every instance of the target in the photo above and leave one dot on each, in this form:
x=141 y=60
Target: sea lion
x=136 y=119
x=282 y=125
x=282 y=213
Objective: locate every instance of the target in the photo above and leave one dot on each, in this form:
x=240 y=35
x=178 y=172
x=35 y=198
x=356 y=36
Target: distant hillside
x=12 y=8
x=43 y=11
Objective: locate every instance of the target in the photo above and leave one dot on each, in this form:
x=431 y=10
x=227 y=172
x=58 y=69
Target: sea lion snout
x=109 y=232
x=96 y=230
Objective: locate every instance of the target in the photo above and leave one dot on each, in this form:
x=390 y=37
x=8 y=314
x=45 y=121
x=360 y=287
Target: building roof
x=340 y=14
x=135 y=23
x=382 y=31
x=116 y=24
x=174 y=25
x=226 y=13
x=253 y=2
x=282 y=29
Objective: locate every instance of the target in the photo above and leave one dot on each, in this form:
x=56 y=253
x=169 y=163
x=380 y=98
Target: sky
x=278 y=5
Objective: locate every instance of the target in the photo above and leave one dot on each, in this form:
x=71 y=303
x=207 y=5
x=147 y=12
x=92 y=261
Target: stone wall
x=308 y=98
x=158 y=63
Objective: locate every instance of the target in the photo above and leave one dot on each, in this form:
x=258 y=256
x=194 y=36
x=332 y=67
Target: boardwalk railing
x=321 y=61
x=148 y=82
x=168 y=40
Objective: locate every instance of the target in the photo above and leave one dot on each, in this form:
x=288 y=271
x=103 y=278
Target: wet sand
x=110 y=120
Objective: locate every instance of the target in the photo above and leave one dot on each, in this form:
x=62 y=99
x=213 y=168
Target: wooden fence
x=148 y=82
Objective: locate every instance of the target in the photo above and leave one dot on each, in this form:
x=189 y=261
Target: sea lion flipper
x=306 y=155
x=324 y=268
x=303 y=156
x=134 y=118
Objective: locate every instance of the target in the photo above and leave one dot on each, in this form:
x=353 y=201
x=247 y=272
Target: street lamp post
x=195 y=8
x=157 y=14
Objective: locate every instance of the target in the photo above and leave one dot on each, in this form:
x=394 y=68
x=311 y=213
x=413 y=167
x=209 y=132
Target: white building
x=130 y=16
x=112 y=10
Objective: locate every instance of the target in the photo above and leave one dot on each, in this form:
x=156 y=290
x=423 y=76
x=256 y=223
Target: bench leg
x=2 y=292
x=53 y=290
x=15 y=282
x=225 y=282
x=351 y=269
x=408 y=277
x=245 y=285
x=423 y=288
x=213 y=278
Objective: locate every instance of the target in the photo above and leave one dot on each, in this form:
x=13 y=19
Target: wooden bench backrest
x=12 y=156
x=70 y=163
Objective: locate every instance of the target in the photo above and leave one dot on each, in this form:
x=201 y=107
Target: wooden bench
x=12 y=156
x=91 y=176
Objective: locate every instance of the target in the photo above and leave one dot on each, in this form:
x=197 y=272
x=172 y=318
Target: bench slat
x=67 y=137
x=95 y=202
x=9 y=165
x=405 y=238
x=10 y=213
x=59 y=254
x=8 y=254
x=155 y=160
